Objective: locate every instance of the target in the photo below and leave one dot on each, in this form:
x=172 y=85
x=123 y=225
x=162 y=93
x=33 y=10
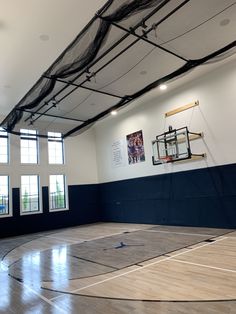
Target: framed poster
x=135 y=147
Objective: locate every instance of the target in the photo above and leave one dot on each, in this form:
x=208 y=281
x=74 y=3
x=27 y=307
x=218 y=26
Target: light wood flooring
x=119 y=268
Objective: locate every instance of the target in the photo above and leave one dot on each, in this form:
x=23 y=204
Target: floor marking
x=50 y=246
x=44 y=298
x=104 y=236
x=140 y=268
x=88 y=240
x=203 y=265
x=184 y=233
x=64 y=239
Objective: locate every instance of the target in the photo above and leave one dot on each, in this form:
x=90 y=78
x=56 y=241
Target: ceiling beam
x=32 y=113
x=143 y=37
x=70 y=83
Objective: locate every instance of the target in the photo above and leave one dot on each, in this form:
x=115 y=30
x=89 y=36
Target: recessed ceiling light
x=143 y=72
x=44 y=37
x=113 y=112
x=224 y=22
x=163 y=86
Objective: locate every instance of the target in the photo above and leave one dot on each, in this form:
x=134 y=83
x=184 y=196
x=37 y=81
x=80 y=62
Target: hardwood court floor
x=120 y=268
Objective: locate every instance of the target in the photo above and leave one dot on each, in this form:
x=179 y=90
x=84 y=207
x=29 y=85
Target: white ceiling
x=24 y=56
x=33 y=34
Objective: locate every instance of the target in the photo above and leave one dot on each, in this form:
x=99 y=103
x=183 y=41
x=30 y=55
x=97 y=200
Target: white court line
x=185 y=233
x=140 y=268
x=87 y=240
x=64 y=239
x=44 y=298
x=105 y=236
x=207 y=266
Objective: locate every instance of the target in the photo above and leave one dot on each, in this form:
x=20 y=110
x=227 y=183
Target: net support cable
x=58 y=101
x=70 y=83
x=144 y=37
x=32 y=113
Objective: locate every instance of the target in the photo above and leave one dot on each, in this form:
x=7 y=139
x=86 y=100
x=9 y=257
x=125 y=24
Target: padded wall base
x=204 y=197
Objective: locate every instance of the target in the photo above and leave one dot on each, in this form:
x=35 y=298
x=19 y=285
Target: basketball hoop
x=166 y=159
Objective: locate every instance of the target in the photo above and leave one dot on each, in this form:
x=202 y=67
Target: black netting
x=122 y=28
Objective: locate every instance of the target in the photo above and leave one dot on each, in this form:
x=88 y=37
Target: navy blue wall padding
x=203 y=197
x=83 y=200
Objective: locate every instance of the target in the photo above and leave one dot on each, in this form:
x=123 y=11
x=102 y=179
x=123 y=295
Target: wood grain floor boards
x=193 y=230
x=169 y=280
x=157 y=269
x=87 y=305
x=220 y=254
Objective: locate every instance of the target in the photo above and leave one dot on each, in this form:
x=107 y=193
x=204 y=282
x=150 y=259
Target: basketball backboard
x=173 y=145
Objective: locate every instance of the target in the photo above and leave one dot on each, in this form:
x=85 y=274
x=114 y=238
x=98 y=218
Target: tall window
x=30 y=194
x=29 y=146
x=3 y=146
x=55 y=148
x=57 y=196
x=4 y=195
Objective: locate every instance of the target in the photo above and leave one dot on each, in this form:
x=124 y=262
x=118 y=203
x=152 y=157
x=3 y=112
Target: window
x=57 y=196
x=30 y=194
x=3 y=146
x=29 y=146
x=55 y=148
x=4 y=195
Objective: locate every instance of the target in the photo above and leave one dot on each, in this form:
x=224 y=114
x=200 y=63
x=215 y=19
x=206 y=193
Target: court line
x=203 y=265
x=140 y=268
x=82 y=240
x=51 y=245
x=185 y=233
x=91 y=261
x=104 y=236
x=72 y=242
x=64 y=239
x=44 y=298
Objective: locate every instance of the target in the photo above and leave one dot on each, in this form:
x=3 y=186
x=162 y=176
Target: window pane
x=4 y=195
x=55 y=148
x=57 y=192
x=3 y=146
x=29 y=193
x=29 y=146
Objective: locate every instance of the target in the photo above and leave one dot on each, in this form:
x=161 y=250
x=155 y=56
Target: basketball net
x=165 y=159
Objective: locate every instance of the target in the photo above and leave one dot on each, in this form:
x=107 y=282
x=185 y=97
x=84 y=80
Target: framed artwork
x=135 y=147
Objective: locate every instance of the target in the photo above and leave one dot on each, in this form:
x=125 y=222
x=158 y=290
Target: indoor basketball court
x=118 y=268
x=117 y=157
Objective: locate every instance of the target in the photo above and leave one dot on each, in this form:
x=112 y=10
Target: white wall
x=80 y=161
x=216 y=117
